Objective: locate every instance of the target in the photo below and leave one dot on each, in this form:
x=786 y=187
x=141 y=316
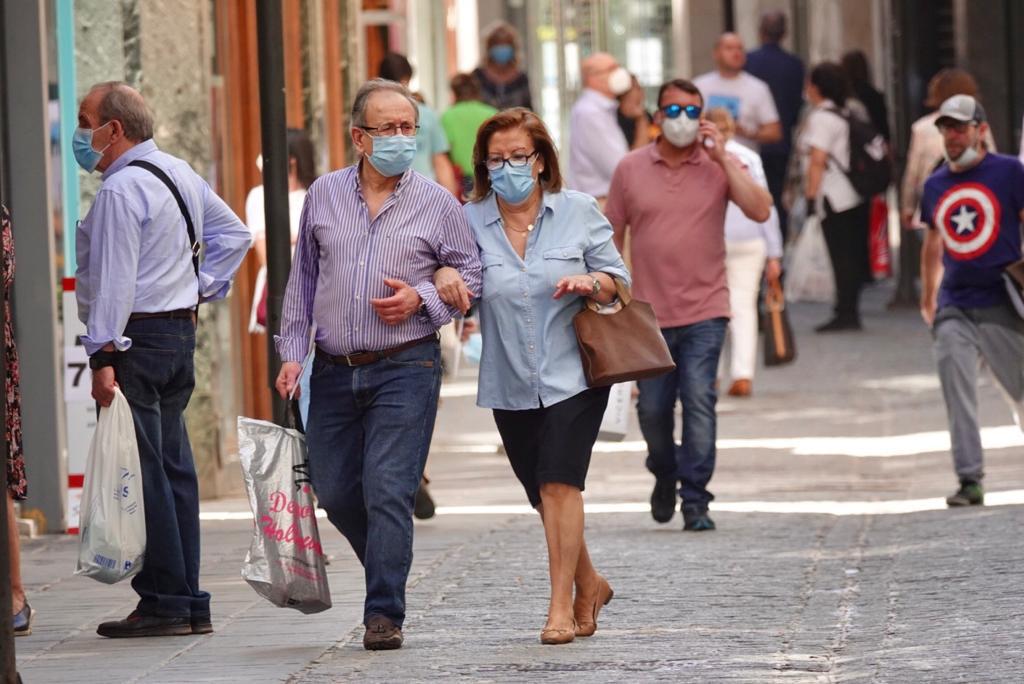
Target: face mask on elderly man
x=392 y=155
x=81 y=146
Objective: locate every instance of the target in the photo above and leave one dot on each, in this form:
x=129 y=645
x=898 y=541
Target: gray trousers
x=965 y=339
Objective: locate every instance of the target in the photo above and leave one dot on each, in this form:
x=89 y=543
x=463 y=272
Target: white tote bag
x=809 y=268
x=112 y=541
x=615 y=423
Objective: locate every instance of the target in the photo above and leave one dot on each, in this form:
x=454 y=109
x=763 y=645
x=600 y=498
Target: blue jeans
x=695 y=349
x=368 y=436
x=157 y=376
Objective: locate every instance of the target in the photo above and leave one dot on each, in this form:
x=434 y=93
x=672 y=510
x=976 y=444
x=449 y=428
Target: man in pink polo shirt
x=672 y=196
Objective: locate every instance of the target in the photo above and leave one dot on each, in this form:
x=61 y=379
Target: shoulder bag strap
x=159 y=173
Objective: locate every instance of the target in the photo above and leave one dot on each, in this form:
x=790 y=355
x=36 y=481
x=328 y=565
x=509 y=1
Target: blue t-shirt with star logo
x=977 y=212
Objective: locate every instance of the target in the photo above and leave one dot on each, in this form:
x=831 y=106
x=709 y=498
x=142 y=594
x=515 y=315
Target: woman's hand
x=582 y=285
x=452 y=289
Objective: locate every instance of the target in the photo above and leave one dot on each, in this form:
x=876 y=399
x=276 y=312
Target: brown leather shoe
x=139 y=625
x=586 y=615
x=557 y=637
x=741 y=388
x=382 y=634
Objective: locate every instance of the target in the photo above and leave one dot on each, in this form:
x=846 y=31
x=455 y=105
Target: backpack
x=870 y=170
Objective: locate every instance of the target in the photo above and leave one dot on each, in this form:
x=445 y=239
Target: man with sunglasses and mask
x=974 y=207
x=370 y=239
x=672 y=197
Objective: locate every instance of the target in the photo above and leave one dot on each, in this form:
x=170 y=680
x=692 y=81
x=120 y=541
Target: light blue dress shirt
x=530 y=355
x=133 y=247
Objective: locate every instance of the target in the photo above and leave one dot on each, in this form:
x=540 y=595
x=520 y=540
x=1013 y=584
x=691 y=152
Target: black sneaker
x=423 y=508
x=663 y=500
x=696 y=519
x=839 y=325
x=969 y=494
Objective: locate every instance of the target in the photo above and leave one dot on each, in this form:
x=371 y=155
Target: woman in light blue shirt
x=543 y=250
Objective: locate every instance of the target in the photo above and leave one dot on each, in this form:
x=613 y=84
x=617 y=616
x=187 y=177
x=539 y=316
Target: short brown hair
x=465 y=87
x=949 y=82
x=683 y=85
x=517 y=117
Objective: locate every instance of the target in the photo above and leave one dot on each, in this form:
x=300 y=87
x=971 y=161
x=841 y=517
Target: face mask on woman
x=513 y=183
x=503 y=53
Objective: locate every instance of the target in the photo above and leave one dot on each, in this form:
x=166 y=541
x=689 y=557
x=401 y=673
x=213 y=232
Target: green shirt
x=461 y=123
x=430 y=141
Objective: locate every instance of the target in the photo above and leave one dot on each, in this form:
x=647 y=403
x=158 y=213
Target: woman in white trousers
x=751 y=249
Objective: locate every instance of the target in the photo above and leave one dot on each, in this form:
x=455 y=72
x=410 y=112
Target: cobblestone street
x=835 y=559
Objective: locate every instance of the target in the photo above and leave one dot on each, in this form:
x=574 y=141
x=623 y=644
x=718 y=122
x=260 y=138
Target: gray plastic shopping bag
x=112 y=538
x=285 y=562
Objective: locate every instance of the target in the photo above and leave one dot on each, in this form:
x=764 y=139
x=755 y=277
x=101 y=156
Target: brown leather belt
x=177 y=313
x=368 y=357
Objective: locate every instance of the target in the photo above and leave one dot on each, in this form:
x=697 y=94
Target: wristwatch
x=597 y=286
x=102 y=359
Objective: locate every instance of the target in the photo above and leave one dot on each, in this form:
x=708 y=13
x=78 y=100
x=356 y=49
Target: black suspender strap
x=159 y=173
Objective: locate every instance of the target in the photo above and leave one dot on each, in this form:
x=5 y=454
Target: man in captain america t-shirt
x=974 y=207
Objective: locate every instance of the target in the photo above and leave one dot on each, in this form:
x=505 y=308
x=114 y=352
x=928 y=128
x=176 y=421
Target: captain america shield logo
x=968 y=216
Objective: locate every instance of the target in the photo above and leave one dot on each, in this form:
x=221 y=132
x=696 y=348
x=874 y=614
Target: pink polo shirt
x=676 y=219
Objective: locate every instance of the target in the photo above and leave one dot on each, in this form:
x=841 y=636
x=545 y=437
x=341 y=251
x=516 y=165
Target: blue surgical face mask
x=81 y=145
x=502 y=53
x=393 y=155
x=513 y=183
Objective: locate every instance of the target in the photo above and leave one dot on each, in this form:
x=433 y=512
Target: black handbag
x=779 y=345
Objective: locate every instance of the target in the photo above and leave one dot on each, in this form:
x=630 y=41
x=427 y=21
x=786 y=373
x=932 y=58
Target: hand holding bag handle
x=621 y=346
x=779 y=345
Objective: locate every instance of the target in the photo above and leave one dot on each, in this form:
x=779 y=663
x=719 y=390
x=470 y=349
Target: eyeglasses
x=673 y=111
x=387 y=130
x=495 y=162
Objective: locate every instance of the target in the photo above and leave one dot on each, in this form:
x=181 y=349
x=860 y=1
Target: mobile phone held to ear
x=709 y=142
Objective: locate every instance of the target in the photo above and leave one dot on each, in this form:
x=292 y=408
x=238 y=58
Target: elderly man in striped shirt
x=370 y=239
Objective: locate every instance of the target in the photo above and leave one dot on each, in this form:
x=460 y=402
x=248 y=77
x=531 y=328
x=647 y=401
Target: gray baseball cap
x=961 y=108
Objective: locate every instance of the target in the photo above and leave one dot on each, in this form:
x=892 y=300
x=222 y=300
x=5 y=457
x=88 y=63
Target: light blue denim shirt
x=530 y=356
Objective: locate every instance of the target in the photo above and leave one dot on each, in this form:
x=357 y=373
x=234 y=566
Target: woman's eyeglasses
x=495 y=162
x=673 y=111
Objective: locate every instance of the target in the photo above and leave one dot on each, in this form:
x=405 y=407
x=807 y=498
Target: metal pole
x=273 y=124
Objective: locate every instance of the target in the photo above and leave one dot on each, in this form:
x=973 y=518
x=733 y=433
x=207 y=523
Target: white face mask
x=680 y=131
x=966 y=159
x=619 y=81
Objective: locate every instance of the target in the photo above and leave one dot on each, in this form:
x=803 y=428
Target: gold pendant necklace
x=529 y=229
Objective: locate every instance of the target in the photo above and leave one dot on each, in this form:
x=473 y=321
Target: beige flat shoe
x=556 y=637
x=586 y=624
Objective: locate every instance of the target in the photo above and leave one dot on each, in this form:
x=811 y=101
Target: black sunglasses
x=673 y=111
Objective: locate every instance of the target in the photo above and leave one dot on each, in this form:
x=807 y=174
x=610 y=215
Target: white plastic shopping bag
x=112 y=541
x=615 y=422
x=809 y=268
x=285 y=562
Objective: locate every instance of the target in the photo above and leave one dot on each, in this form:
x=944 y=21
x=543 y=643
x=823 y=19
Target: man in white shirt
x=596 y=143
x=747 y=97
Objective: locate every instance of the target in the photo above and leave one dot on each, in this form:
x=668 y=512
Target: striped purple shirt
x=342 y=259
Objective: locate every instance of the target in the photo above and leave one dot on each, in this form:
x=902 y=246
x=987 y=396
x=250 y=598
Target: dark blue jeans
x=695 y=349
x=368 y=436
x=156 y=375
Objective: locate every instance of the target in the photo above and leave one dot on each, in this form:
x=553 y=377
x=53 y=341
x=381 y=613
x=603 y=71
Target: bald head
x=595 y=70
x=729 y=54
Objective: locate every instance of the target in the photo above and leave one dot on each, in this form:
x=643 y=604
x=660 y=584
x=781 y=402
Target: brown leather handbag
x=779 y=343
x=621 y=346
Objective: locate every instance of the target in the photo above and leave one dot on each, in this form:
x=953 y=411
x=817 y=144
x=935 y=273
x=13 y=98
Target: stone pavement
x=817 y=573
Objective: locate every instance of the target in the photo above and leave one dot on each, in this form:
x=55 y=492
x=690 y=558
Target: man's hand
x=287 y=379
x=772 y=270
x=103 y=386
x=452 y=289
x=928 y=306
x=710 y=130
x=469 y=327
x=582 y=285
x=400 y=306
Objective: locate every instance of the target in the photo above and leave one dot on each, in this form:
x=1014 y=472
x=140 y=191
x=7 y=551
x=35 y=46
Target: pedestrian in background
x=596 y=143
x=784 y=74
x=927 y=149
x=372 y=236
x=824 y=148
x=634 y=119
x=747 y=97
x=974 y=208
x=137 y=294
x=543 y=249
x=17 y=485
x=858 y=73
x=432 y=147
x=679 y=267
x=751 y=249
x=503 y=82
x=461 y=123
